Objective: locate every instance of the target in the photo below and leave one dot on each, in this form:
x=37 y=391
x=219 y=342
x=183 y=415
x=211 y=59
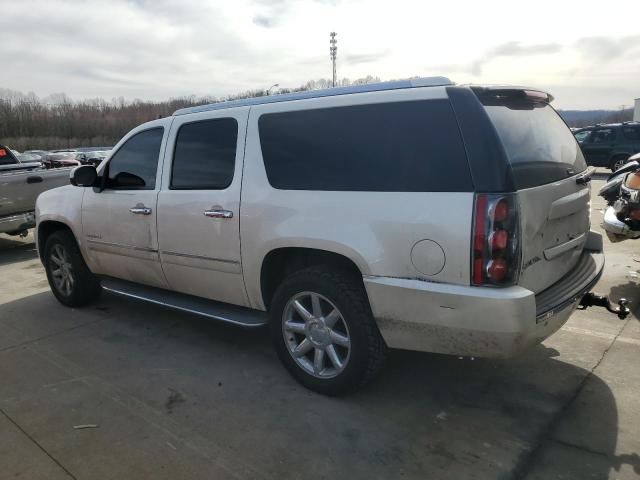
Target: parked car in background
x=29 y=157
x=20 y=185
x=609 y=145
x=60 y=159
x=449 y=219
x=95 y=158
x=9 y=161
x=41 y=153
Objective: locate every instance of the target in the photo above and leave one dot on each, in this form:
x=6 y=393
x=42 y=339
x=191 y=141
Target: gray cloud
x=263 y=21
x=359 y=58
x=513 y=49
x=605 y=49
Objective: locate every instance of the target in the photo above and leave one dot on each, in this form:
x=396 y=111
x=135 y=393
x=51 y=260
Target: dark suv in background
x=609 y=145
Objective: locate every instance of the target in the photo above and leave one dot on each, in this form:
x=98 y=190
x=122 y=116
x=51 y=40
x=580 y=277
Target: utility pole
x=333 y=53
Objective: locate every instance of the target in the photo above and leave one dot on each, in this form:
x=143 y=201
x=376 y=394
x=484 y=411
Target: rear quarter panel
x=376 y=230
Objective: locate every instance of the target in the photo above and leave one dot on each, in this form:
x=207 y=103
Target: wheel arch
x=45 y=229
x=618 y=154
x=281 y=262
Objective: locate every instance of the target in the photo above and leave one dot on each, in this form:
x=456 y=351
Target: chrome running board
x=242 y=316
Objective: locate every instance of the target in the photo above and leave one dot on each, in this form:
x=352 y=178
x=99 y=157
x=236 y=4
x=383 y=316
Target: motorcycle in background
x=622 y=193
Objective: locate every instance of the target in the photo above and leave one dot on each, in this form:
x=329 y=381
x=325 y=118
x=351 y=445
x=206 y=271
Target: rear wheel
x=618 y=162
x=324 y=332
x=69 y=277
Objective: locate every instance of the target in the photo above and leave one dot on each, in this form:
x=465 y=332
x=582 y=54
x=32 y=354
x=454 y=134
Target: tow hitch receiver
x=592 y=300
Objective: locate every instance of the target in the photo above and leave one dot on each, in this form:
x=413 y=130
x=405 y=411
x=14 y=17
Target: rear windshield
x=6 y=157
x=540 y=146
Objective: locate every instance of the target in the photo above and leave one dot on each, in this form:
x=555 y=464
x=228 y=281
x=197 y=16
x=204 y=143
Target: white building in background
x=636 y=111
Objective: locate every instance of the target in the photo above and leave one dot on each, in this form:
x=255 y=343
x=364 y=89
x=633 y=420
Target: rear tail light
x=495 y=256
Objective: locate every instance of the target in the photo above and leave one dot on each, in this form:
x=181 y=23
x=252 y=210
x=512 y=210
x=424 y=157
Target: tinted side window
x=135 y=164
x=205 y=154
x=540 y=147
x=387 y=147
x=632 y=133
x=582 y=135
x=604 y=135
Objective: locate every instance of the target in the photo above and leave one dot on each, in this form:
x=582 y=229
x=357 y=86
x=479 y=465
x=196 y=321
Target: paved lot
x=175 y=396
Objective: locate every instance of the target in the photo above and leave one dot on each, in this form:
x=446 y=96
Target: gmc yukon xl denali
x=416 y=215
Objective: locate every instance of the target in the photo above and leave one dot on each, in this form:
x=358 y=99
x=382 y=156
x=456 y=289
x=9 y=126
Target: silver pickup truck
x=20 y=185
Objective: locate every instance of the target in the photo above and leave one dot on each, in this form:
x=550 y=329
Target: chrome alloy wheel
x=316 y=335
x=619 y=164
x=61 y=270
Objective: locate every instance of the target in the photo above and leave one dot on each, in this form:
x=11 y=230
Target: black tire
x=85 y=286
x=346 y=292
x=617 y=162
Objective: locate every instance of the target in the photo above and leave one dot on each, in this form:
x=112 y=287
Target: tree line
x=28 y=122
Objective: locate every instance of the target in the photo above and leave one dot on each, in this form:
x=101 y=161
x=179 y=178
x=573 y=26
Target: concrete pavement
x=170 y=395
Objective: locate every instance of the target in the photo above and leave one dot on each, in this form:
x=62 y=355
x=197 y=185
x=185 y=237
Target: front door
x=199 y=205
x=119 y=219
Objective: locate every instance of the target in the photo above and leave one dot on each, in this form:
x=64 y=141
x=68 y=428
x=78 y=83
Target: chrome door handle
x=218 y=213
x=140 y=210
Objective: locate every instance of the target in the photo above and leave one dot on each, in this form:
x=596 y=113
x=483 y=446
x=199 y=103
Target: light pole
x=269 y=89
x=333 y=53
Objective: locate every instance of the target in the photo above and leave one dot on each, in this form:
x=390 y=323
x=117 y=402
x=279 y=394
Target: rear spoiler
x=515 y=97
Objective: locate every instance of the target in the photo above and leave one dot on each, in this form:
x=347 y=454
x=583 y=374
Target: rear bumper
x=473 y=321
x=17 y=223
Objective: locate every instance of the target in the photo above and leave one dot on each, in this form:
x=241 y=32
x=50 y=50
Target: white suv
x=417 y=214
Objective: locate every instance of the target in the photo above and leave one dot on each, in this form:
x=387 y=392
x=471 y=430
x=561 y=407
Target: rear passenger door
x=198 y=206
x=598 y=148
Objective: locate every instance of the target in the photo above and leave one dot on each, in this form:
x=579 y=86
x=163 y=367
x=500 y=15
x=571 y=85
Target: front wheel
x=69 y=277
x=324 y=332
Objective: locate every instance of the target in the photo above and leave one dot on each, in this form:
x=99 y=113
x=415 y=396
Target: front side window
x=604 y=135
x=205 y=155
x=582 y=136
x=384 y=147
x=135 y=164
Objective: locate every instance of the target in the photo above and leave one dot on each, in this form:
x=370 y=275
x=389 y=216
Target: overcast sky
x=585 y=53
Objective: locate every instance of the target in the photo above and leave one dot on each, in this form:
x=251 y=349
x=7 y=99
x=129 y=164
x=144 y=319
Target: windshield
x=540 y=146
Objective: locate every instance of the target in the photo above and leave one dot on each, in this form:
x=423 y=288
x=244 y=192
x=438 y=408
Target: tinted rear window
x=539 y=145
x=387 y=147
x=6 y=157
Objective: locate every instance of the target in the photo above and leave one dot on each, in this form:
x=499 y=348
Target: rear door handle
x=34 y=179
x=218 y=213
x=140 y=210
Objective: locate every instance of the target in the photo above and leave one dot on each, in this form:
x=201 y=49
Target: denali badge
x=528 y=263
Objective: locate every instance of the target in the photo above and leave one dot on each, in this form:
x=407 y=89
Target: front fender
x=61 y=205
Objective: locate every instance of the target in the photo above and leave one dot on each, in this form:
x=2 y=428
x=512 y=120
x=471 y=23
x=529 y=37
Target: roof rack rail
x=328 y=92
